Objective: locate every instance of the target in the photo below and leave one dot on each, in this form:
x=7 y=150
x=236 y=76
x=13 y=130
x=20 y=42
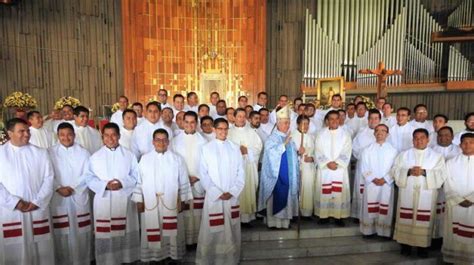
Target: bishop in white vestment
x=375 y=162
x=250 y=147
x=70 y=205
x=164 y=189
x=458 y=241
x=189 y=144
x=26 y=187
x=222 y=177
x=418 y=172
x=112 y=174
x=333 y=154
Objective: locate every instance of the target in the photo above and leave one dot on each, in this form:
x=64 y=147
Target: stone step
x=309 y=229
x=314 y=247
x=390 y=257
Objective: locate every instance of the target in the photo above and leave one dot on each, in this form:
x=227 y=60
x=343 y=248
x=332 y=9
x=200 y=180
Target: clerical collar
x=15 y=147
x=420 y=150
x=189 y=133
x=160 y=153
x=221 y=141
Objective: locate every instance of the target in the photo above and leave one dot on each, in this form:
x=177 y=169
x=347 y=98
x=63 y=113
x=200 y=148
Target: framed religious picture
x=327 y=87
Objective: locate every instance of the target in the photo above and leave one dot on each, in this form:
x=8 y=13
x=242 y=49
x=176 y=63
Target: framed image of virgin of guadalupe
x=327 y=87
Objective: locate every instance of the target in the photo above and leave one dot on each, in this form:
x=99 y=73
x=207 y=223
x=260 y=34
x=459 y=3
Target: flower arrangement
x=368 y=102
x=74 y=102
x=20 y=100
x=116 y=107
x=3 y=137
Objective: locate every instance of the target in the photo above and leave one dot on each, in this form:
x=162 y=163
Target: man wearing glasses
x=163 y=98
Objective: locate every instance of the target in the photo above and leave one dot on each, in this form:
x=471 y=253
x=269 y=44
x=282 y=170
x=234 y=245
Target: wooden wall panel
x=285 y=43
x=55 y=48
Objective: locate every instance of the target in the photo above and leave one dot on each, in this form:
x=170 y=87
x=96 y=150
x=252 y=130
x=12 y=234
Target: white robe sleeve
x=46 y=190
x=129 y=183
x=344 y=158
x=239 y=182
x=453 y=198
x=436 y=176
x=399 y=173
x=365 y=168
x=7 y=200
x=95 y=184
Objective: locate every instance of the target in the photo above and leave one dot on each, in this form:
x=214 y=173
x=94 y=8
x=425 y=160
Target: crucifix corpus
x=381 y=74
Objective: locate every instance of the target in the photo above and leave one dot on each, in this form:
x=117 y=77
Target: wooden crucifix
x=381 y=74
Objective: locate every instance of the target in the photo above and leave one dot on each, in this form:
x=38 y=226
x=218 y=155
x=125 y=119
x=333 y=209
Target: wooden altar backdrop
x=175 y=44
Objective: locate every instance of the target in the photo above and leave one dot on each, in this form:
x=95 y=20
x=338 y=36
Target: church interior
x=406 y=51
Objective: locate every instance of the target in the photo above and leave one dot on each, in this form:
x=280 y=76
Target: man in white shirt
x=67 y=113
x=214 y=98
x=138 y=108
x=40 y=136
x=70 y=205
x=86 y=136
x=242 y=102
x=207 y=129
x=117 y=116
x=265 y=124
x=360 y=120
x=203 y=110
x=112 y=174
x=420 y=118
x=387 y=117
x=26 y=187
x=178 y=103
x=126 y=131
x=143 y=135
x=262 y=99
x=469 y=123
x=163 y=98
x=401 y=133
x=193 y=102
x=439 y=121
x=221 y=108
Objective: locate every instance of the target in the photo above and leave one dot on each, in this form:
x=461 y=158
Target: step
x=390 y=257
x=309 y=229
x=314 y=247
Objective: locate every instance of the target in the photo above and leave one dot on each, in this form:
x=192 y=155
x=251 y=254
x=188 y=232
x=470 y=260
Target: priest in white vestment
x=420 y=118
x=439 y=121
x=458 y=241
x=360 y=119
x=265 y=125
x=364 y=138
x=26 y=187
x=67 y=114
x=189 y=144
x=262 y=99
x=250 y=147
x=126 y=131
x=142 y=137
x=207 y=128
x=333 y=154
x=279 y=180
x=222 y=177
x=117 y=117
x=443 y=145
x=304 y=141
x=375 y=163
x=86 y=136
x=401 y=134
x=388 y=119
x=112 y=174
x=70 y=206
x=418 y=172
x=164 y=189
x=40 y=136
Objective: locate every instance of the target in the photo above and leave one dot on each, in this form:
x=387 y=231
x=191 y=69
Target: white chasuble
x=189 y=147
x=458 y=240
x=71 y=215
x=115 y=215
x=25 y=173
x=332 y=186
x=246 y=136
x=221 y=170
x=417 y=196
x=164 y=185
x=377 y=201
